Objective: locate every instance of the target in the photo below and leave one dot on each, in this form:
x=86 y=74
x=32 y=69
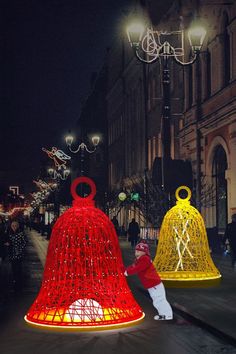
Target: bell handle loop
x=86 y=180
x=187 y=189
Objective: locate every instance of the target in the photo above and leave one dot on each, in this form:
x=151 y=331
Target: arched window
x=226 y=50
x=220 y=183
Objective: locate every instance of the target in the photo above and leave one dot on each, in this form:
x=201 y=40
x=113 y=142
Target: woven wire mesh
x=183 y=251
x=83 y=282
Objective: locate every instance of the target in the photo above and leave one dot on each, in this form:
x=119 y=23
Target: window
x=226 y=51
x=220 y=183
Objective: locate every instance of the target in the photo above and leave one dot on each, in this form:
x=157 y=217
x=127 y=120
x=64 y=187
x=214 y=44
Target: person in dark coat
x=230 y=236
x=16 y=243
x=116 y=225
x=133 y=232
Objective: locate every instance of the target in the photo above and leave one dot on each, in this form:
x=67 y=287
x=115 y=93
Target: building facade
x=203 y=120
x=208 y=124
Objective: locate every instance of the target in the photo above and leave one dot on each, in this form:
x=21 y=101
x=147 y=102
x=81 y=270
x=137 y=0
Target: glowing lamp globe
x=122 y=196
x=83 y=286
x=183 y=255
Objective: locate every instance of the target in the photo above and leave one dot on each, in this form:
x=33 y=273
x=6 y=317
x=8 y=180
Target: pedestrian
x=16 y=243
x=151 y=281
x=133 y=232
x=116 y=225
x=123 y=232
x=230 y=237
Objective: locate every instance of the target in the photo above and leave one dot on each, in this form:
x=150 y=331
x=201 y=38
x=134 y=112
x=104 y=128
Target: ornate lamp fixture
x=153 y=45
x=82 y=146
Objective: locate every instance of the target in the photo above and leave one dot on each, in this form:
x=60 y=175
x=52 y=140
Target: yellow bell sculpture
x=183 y=255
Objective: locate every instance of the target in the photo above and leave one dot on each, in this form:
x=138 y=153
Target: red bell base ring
x=85 y=328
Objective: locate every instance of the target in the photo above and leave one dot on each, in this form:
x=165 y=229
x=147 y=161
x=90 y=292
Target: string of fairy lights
x=59 y=172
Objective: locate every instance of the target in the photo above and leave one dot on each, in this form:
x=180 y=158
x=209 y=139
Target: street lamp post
x=153 y=46
x=82 y=148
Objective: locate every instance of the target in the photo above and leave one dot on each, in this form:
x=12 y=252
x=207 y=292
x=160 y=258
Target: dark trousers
x=134 y=240
x=16 y=265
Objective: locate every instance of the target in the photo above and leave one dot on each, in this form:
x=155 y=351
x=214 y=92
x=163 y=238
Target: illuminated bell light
x=183 y=253
x=83 y=284
x=122 y=196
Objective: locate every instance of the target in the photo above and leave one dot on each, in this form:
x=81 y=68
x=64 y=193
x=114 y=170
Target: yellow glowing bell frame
x=183 y=255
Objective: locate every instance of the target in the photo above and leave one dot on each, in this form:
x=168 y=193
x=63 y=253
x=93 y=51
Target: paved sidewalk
x=214 y=306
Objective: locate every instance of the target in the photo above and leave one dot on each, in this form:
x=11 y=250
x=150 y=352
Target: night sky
x=49 y=49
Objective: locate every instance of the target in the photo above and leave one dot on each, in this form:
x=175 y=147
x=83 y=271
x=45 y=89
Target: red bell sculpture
x=83 y=284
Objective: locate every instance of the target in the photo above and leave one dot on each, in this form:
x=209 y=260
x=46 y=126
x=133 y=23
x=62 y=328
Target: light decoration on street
x=183 y=254
x=122 y=196
x=42 y=185
x=58 y=156
x=14 y=190
x=14 y=211
x=60 y=171
x=84 y=286
x=59 y=175
x=40 y=196
x=135 y=196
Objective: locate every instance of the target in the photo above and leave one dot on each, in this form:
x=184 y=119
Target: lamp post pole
x=58 y=176
x=145 y=185
x=198 y=136
x=151 y=47
x=57 y=199
x=166 y=118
